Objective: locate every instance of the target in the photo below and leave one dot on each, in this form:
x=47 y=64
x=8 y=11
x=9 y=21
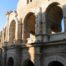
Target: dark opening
x=28 y=63
x=29 y=25
x=12 y=29
x=55 y=63
x=54 y=16
x=30 y=0
x=10 y=62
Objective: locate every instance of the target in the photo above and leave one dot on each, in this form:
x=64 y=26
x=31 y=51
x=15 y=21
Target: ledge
x=58 y=36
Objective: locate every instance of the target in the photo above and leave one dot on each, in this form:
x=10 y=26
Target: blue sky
x=6 y=5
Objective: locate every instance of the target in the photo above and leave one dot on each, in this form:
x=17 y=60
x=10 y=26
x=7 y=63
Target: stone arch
x=55 y=63
x=10 y=62
x=28 y=62
x=12 y=30
x=29 y=25
x=55 y=59
x=54 y=16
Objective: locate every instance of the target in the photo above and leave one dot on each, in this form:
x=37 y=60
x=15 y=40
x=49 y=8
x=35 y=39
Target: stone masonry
x=33 y=35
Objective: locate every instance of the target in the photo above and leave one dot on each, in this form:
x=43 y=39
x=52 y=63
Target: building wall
x=31 y=41
x=23 y=10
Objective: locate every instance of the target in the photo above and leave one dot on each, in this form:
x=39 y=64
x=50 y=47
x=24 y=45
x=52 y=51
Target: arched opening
x=55 y=63
x=12 y=29
x=10 y=62
x=28 y=63
x=29 y=27
x=62 y=24
x=4 y=33
x=54 y=16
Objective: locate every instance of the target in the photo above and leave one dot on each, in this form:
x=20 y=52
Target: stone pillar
x=20 y=31
x=2 y=38
x=4 y=58
x=38 y=26
x=23 y=32
x=7 y=27
x=44 y=28
x=64 y=15
x=37 y=57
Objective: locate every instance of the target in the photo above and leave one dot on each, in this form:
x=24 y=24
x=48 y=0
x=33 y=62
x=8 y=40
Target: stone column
x=44 y=28
x=38 y=26
x=7 y=26
x=64 y=15
x=20 y=31
x=37 y=60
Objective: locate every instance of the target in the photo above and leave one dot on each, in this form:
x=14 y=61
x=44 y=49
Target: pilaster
x=64 y=14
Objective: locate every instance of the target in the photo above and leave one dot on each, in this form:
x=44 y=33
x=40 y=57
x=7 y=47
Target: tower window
x=27 y=1
x=54 y=18
x=30 y=0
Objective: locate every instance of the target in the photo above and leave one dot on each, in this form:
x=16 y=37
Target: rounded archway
x=28 y=62
x=10 y=62
x=54 y=16
x=29 y=25
x=55 y=63
x=12 y=29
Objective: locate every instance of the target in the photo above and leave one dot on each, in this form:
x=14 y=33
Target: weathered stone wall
x=38 y=8
x=38 y=53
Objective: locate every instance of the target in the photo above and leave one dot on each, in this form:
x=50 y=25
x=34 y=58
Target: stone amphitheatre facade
x=33 y=34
